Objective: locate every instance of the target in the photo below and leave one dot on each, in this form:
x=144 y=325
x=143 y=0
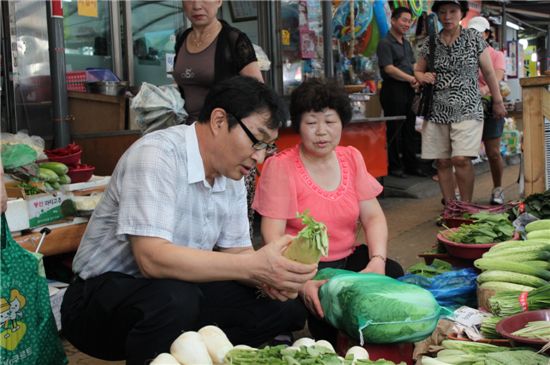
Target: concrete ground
x=411 y=206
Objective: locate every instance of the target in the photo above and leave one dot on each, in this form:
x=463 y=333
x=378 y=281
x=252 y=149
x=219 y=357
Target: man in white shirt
x=168 y=249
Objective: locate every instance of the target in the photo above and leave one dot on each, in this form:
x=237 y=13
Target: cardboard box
x=17 y=215
x=41 y=208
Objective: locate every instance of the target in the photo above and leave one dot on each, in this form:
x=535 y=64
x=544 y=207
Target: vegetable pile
x=210 y=345
x=311 y=242
x=470 y=353
x=517 y=265
x=487 y=228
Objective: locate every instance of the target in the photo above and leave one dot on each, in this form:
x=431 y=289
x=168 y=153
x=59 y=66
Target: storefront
x=135 y=40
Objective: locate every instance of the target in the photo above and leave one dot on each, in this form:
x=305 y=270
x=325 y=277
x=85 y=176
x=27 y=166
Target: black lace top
x=234 y=51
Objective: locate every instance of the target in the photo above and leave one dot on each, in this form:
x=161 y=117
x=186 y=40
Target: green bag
x=28 y=334
x=375 y=308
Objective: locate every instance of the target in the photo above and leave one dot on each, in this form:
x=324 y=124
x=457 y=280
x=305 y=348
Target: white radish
x=358 y=353
x=165 y=359
x=217 y=343
x=190 y=349
x=304 y=341
x=325 y=344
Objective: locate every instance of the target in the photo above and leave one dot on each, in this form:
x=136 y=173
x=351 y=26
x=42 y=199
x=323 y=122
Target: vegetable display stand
x=395 y=352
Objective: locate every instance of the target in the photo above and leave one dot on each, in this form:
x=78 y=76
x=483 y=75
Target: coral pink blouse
x=286 y=188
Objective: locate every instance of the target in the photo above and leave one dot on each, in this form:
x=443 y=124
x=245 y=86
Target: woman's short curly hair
x=316 y=95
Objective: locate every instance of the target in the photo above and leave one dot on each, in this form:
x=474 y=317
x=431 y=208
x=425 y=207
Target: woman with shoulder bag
x=452 y=132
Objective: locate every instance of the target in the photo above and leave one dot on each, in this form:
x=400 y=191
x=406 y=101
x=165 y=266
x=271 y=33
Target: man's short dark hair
x=316 y=95
x=241 y=96
x=396 y=13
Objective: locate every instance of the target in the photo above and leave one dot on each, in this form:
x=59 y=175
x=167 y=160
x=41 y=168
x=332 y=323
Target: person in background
x=492 y=127
x=396 y=61
x=206 y=53
x=330 y=181
x=167 y=249
x=452 y=132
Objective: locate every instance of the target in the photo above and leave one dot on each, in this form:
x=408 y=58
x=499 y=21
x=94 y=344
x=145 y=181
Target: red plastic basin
x=69 y=160
x=513 y=323
x=81 y=173
x=469 y=251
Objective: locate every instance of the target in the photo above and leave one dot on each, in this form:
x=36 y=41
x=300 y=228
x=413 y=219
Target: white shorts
x=443 y=141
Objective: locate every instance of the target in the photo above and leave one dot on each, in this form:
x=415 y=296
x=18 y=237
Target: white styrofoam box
x=17 y=215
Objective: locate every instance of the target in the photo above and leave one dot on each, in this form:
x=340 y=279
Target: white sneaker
x=497 y=196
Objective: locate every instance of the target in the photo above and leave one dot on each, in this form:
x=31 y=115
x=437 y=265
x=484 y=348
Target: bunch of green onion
x=489 y=327
x=507 y=303
x=536 y=329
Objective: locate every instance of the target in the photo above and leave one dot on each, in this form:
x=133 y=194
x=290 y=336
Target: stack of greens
x=470 y=353
x=303 y=355
x=535 y=204
x=437 y=267
x=487 y=228
x=507 y=303
x=539 y=330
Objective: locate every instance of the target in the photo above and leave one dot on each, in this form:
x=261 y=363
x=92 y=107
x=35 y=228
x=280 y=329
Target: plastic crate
x=76 y=80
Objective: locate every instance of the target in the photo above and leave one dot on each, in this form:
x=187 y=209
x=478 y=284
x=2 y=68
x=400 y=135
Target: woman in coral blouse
x=332 y=182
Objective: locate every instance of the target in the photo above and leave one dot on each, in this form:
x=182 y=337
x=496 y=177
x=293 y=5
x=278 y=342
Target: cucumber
x=47 y=175
x=539 y=234
x=57 y=167
x=64 y=179
x=538 y=225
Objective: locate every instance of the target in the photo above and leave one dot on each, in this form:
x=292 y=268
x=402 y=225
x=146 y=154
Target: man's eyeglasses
x=256 y=143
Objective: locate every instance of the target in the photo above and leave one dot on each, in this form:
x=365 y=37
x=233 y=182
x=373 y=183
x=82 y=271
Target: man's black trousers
x=396 y=99
x=116 y=316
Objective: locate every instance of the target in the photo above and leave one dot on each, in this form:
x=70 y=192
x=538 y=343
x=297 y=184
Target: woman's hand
x=499 y=111
x=375 y=265
x=426 y=77
x=310 y=297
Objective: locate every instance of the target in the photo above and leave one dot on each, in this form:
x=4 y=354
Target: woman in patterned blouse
x=452 y=132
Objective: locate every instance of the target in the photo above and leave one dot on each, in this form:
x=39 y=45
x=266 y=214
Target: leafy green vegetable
x=311 y=242
x=282 y=355
x=376 y=308
x=488 y=228
x=537 y=204
x=429 y=271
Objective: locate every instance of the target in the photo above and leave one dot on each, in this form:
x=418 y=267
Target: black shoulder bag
x=422 y=102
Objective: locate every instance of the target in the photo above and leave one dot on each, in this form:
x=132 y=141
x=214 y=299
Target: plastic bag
x=22 y=137
x=158 y=107
x=375 y=308
x=17 y=155
x=263 y=61
x=28 y=334
x=451 y=289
